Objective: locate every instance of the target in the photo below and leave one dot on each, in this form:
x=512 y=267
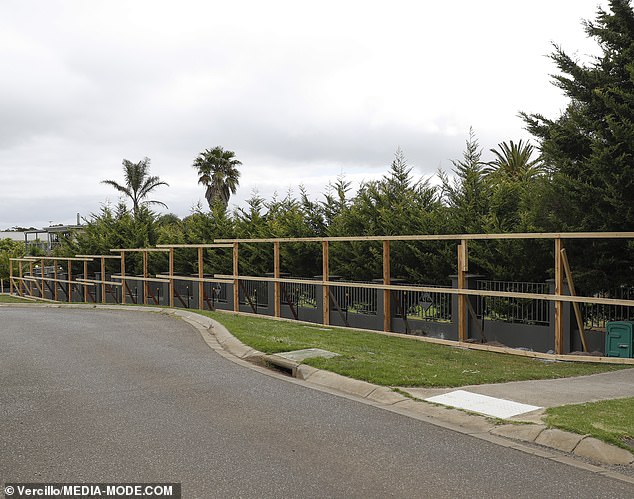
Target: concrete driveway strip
x=98 y=395
x=551 y=392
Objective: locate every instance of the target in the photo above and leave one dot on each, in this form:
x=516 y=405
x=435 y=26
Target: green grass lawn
x=392 y=361
x=12 y=299
x=609 y=420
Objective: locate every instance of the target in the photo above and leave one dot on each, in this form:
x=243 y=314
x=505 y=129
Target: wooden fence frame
x=200 y=279
x=40 y=282
x=462 y=265
x=558 y=238
x=102 y=282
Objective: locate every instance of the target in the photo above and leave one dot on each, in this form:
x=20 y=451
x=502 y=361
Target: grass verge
x=12 y=299
x=391 y=361
x=609 y=420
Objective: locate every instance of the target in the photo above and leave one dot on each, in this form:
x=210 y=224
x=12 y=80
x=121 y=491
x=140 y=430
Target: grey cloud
x=86 y=84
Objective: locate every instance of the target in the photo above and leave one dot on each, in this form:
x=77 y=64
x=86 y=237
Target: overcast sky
x=301 y=91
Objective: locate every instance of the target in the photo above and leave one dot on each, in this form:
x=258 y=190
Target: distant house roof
x=61 y=228
x=45 y=238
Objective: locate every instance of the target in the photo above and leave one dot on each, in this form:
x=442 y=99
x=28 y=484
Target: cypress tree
x=590 y=147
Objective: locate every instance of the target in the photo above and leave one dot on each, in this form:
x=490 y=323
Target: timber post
x=201 y=285
x=559 y=291
x=85 y=282
x=276 y=274
x=42 y=276
x=69 y=264
x=31 y=278
x=236 y=283
x=55 y=283
x=387 y=308
x=170 y=286
x=463 y=267
x=21 y=274
x=103 y=279
x=123 y=297
x=146 y=285
x=325 y=288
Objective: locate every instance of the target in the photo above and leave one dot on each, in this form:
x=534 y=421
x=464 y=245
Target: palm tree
x=513 y=162
x=138 y=183
x=218 y=172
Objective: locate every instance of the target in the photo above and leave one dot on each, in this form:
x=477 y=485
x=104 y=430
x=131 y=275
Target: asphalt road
x=108 y=396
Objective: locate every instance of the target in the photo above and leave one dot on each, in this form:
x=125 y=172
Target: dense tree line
x=579 y=176
x=471 y=199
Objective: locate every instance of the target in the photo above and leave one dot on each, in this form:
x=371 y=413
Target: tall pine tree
x=590 y=147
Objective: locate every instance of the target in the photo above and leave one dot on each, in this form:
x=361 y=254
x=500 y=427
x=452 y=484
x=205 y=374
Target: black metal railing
x=355 y=300
x=302 y=295
x=516 y=310
x=254 y=293
x=596 y=316
x=424 y=305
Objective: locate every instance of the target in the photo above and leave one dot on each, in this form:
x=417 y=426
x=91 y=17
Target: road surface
x=122 y=396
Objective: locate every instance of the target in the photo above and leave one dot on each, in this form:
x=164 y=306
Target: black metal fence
x=596 y=316
x=302 y=295
x=515 y=310
x=355 y=300
x=512 y=321
x=424 y=305
x=254 y=293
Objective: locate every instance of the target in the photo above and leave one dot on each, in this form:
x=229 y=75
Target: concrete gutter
x=524 y=436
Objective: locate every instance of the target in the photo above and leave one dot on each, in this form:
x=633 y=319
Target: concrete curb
x=220 y=339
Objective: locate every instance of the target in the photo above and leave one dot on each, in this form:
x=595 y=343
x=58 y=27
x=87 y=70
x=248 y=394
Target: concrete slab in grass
x=558 y=439
x=482 y=404
x=307 y=353
x=600 y=451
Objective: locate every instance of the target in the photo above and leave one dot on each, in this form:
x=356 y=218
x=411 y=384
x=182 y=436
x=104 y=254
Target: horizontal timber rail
x=430 y=289
x=441 y=237
x=141 y=279
x=198 y=279
x=99 y=281
x=52 y=279
x=464 y=295
x=139 y=250
x=194 y=246
x=52 y=259
x=111 y=257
